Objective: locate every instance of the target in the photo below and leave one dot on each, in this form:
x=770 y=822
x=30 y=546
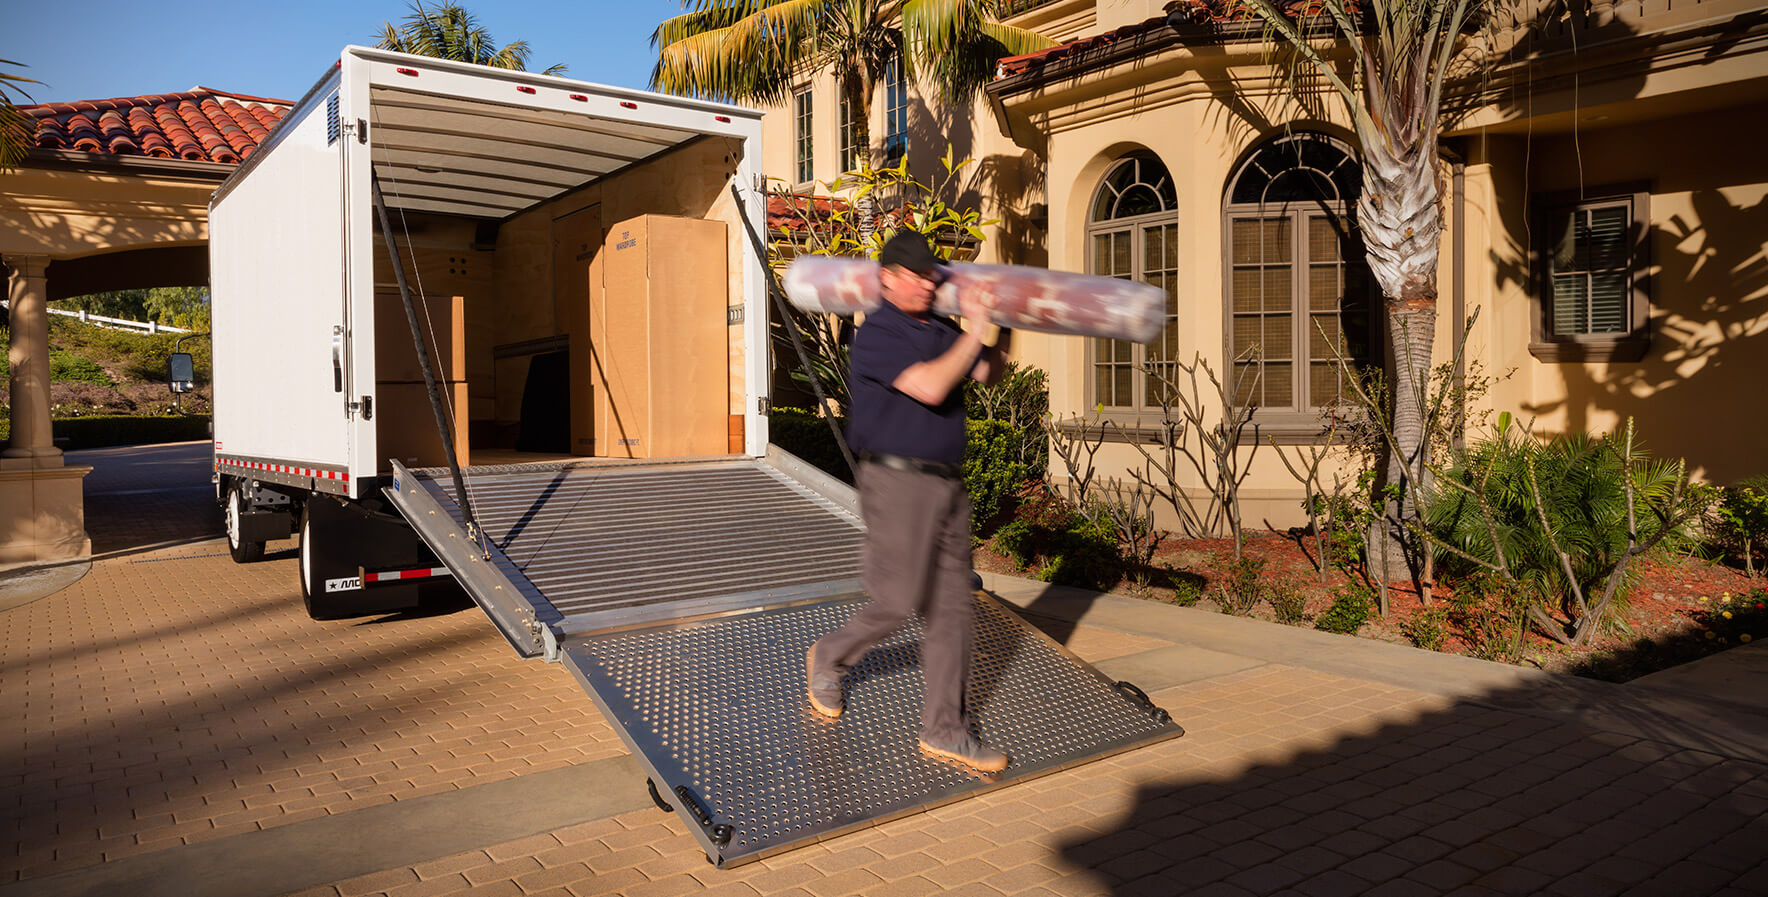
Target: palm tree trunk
x=1400 y=216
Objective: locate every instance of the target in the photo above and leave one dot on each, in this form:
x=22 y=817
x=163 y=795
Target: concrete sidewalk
x=180 y=727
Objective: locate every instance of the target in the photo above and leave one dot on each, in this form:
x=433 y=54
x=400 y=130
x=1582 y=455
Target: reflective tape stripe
x=314 y=472
x=419 y=573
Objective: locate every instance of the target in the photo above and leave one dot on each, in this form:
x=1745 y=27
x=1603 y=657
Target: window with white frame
x=1133 y=233
x=896 y=113
x=1298 y=291
x=802 y=131
x=850 y=148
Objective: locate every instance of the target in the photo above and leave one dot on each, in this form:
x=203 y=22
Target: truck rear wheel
x=315 y=564
x=243 y=550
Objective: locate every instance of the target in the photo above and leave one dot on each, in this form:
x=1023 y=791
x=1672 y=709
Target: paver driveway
x=178 y=726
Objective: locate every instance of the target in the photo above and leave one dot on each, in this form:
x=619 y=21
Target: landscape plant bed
x=1673 y=613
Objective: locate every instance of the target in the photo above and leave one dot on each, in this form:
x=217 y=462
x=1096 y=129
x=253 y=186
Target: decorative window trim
x=1134 y=228
x=1552 y=348
x=1288 y=425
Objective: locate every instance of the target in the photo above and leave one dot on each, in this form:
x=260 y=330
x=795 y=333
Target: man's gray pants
x=916 y=560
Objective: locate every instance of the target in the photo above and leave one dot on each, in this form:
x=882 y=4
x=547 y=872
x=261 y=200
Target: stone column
x=28 y=353
x=42 y=511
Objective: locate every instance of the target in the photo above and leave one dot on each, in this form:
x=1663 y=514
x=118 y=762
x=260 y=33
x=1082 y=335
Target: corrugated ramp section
x=684 y=596
x=590 y=546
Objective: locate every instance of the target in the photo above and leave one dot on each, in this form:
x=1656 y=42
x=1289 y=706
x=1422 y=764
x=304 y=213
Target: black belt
x=913 y=465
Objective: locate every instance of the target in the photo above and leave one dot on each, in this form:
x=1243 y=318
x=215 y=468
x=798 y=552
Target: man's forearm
x=930 y=382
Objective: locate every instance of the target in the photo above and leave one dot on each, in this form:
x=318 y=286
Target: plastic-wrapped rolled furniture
x=1025 y=298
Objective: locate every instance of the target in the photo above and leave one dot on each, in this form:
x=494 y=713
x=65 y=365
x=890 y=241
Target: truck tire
x=243 y=550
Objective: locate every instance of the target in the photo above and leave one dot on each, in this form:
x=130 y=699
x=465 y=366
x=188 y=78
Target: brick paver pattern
x=1272 y=792
x=174 y=696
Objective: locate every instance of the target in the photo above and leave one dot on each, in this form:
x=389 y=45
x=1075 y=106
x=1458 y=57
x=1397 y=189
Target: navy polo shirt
x=885 y=420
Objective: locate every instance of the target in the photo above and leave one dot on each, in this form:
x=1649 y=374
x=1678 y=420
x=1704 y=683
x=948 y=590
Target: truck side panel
x=278 y=279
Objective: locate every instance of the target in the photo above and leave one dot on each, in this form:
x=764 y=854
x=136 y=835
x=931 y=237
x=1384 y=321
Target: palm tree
x=447 y=30
x=15 y=134
x=752 y=50
x=1400 y=51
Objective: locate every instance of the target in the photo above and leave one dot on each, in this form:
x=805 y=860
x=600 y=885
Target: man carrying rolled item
x=907 y=426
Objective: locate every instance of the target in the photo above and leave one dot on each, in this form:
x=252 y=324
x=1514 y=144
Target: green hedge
x=123 y=429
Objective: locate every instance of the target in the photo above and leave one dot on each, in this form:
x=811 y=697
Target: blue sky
x=95 y=49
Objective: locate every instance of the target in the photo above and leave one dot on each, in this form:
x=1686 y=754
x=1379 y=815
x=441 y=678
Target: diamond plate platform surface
x=719 y=706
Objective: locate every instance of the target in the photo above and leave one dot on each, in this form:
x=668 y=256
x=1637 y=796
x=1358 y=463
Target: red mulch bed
x=1667 y=622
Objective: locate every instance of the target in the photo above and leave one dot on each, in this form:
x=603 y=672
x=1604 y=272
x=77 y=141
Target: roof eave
x=1128 y=50
x=142 y=166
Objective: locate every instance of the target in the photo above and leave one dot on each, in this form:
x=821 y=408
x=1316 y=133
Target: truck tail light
x=524 y=88
x=411 y=72
x=626 y=105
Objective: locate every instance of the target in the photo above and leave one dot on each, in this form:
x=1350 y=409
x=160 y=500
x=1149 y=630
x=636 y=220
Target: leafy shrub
x=1240 y=589
x=1021 y=400
x=1187 y=587
x=1492 y=615
x=993 y=472
x=1426 y=628
x=1741 y=522
x=1067 y=548
x=1289 y=604
x=1350 y=609
x=1582 y=486
x=66 y=367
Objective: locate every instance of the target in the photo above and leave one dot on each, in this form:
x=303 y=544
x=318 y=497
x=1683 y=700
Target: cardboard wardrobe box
x=405 y=426
x=660 y=372
x=444 y=321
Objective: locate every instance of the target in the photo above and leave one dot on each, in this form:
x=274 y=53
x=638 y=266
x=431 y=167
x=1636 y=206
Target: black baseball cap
x=909 y=250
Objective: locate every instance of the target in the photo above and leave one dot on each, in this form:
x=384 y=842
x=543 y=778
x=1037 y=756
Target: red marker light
x=411 y=72
x=723 y=118
x=626 y=105
x=525 y=89
x=579 y=98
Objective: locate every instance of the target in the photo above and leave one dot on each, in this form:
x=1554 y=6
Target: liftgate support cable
x=423 y=361
x=773 y=289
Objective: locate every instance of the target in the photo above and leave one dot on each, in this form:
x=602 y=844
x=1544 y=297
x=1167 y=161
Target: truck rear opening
x=577 y=264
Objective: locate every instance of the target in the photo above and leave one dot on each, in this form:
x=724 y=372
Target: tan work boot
x=969 y=751
x=824 y=689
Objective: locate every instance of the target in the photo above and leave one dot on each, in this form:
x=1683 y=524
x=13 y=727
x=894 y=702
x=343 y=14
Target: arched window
x=1296 y=281
x=1133 y=233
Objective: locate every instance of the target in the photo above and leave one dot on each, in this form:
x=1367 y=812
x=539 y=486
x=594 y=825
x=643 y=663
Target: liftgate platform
x=684 y=595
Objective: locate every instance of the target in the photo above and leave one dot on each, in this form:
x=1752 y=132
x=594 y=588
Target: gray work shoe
x=825 y=689
x=969 y=751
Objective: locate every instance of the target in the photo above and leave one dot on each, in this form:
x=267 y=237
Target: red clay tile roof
x=791 y=211
x=198 y=125
x=1193 y=12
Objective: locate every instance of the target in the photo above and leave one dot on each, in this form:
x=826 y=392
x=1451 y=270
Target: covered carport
x=112 y=194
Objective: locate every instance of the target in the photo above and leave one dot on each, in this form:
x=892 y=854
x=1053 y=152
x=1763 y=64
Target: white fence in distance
x=114 y=323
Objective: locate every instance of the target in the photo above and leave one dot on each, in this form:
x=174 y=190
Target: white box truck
x=552 y=389
x=501 y=190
